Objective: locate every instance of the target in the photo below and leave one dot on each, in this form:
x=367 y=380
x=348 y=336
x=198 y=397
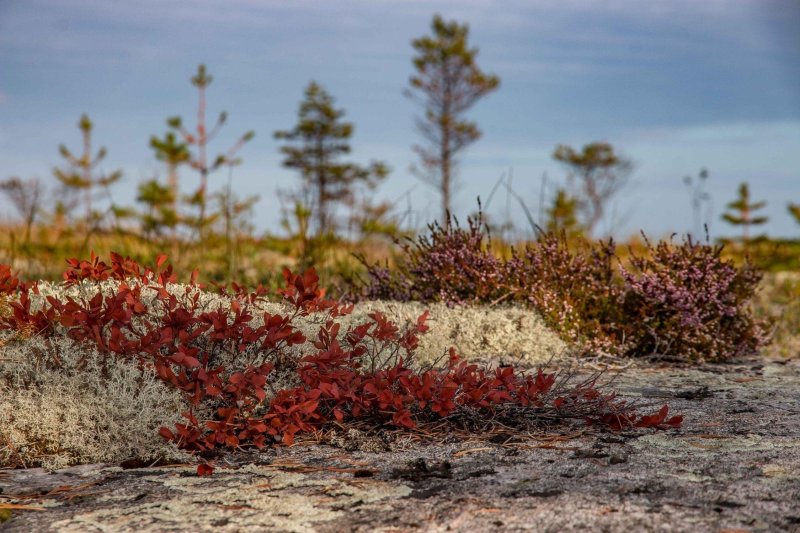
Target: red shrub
x=8 y=283
x=222 y=360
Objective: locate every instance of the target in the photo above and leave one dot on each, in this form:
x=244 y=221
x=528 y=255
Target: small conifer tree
x=794 y=210
x=447 y=83
x=80 y=175
x=173 y=153
x=562 y=215
x=199 y=139
x=596 y=173
x=741 y=212
x=314 y=148
x=159 y=201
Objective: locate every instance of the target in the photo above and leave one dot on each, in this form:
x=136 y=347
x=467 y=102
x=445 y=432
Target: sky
x=675 y=85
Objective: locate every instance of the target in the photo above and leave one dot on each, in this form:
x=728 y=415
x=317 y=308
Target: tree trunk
x=201 y=145
x=172 y=183
x=446 y=153
x=87 y=174
x=446 y=162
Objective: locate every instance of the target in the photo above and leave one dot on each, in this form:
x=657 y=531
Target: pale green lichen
x=697 y=446
x=480 y=332
x=476 y=332
x=63 y=404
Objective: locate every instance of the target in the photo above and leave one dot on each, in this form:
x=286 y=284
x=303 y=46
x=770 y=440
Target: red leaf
x=204 y=469
x=191 y=362
x=675 y=421
x=653 y=420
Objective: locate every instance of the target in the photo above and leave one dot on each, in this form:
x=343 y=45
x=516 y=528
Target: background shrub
x=681 y=298
x=685 y=299
x=451 y=264
x=778 y=301
x=574 y=287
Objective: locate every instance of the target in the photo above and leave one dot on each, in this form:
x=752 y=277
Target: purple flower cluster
x=574 y=289
x=686 y=300
x=681 y=299
x=452 y=265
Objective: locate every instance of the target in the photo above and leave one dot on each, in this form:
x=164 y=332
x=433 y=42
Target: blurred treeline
x=331 y=218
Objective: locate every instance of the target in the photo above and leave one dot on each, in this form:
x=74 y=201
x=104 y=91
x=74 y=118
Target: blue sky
x=676 y=85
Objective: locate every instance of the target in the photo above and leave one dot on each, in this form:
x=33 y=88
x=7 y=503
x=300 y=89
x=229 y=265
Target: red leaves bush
x=682 y=298
x=225 y=361
x=8 y=283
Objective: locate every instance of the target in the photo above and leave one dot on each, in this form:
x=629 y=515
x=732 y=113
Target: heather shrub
x=452 y=264
x=686 y=300
x=574 y=288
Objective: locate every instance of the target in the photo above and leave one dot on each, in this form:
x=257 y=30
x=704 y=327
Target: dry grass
x=779 y=299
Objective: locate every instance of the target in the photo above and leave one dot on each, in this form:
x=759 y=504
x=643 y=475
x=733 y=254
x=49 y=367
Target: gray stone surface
x=733 y=466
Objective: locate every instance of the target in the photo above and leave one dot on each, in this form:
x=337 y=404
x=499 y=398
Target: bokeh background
x=676 y=86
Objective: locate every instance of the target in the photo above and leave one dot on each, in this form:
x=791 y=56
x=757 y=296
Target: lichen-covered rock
x=734 y=465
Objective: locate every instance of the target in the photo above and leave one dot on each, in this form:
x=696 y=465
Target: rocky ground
x=733 y=466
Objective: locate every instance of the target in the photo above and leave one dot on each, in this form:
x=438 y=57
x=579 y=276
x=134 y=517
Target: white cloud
x=722 y=133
